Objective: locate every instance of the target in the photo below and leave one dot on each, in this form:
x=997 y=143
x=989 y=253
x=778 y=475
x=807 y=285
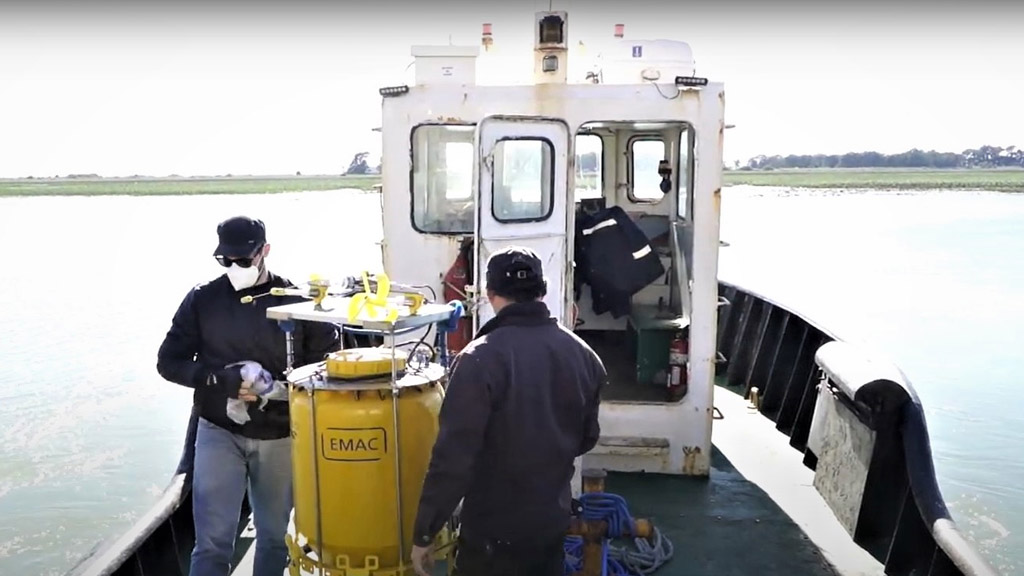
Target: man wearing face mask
x=211 y=332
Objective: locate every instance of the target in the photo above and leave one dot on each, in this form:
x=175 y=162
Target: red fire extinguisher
x=678 y=357
x=455 y=282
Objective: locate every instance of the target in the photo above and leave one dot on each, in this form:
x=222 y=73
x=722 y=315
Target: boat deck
x=757 y=513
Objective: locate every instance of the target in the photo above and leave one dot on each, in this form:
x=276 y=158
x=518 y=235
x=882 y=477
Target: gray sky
x=121 y=89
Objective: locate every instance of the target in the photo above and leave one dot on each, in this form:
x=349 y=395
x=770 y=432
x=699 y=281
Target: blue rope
x=573 y=554
x=612 y=509
x=604 y=557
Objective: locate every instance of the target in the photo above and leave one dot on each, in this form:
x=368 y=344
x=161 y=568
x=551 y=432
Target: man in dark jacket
x=521 y=405
x=211 y=332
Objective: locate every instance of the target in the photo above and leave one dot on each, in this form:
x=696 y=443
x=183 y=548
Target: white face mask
x=242 y=278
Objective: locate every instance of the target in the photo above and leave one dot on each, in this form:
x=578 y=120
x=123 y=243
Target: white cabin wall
x=659 y=290
x=409 y=257
x=704 y=319
x=412 y=257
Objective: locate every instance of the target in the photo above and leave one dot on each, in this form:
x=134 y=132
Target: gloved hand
x=227 y=380
x=259 y=379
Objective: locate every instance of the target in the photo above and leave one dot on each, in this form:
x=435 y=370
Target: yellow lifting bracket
x=370 y=301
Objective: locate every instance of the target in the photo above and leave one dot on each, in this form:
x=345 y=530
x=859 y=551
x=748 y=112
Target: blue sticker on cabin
x=638 y=51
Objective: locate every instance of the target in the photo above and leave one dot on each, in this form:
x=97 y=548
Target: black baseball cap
x=514 y=268
x=240 y=237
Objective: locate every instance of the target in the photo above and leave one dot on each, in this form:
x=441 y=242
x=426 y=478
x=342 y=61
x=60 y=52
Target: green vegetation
x=173 y=186
x=1002 y=180
x=986 y=157
x=985 y=168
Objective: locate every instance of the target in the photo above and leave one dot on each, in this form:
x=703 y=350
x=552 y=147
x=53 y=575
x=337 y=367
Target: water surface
x=90 y=433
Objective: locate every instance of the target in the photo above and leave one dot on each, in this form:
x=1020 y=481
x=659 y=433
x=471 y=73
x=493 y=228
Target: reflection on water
x=90 y=434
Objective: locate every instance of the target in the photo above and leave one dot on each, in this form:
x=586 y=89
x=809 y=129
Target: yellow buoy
x=357 y=363
x=344 y=463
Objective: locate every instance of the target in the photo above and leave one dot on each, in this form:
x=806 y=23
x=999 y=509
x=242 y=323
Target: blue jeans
x=223 y=463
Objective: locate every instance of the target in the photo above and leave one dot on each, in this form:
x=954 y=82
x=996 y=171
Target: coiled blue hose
x=616 y=561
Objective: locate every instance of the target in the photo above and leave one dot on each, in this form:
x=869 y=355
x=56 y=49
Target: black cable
x=433 y=293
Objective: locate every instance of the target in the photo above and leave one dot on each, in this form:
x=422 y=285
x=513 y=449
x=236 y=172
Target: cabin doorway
x=522 y=199
x=632 y=291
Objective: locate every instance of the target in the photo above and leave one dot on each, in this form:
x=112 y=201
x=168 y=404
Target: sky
x=204 y=88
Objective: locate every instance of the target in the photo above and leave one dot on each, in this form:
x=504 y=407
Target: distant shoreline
x=180 y=185
x=998 y=180
x=990 y=179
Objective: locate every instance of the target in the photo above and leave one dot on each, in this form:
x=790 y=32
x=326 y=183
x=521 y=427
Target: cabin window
x=442 y=179
x=459 y=170
x=645 y=154
x=523 y=186
x=589 y=166
x=685 y=170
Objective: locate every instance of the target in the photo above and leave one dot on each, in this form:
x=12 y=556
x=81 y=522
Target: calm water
x=90 y=434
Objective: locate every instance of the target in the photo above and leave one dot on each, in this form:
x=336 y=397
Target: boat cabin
x=612 y=175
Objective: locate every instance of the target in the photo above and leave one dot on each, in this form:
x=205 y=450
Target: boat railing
x=858 y=423
x=129 y=548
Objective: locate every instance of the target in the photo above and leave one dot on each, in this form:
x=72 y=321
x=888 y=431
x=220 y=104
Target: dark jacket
x=615 y=257
x=521 y=405
x=212 y=329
